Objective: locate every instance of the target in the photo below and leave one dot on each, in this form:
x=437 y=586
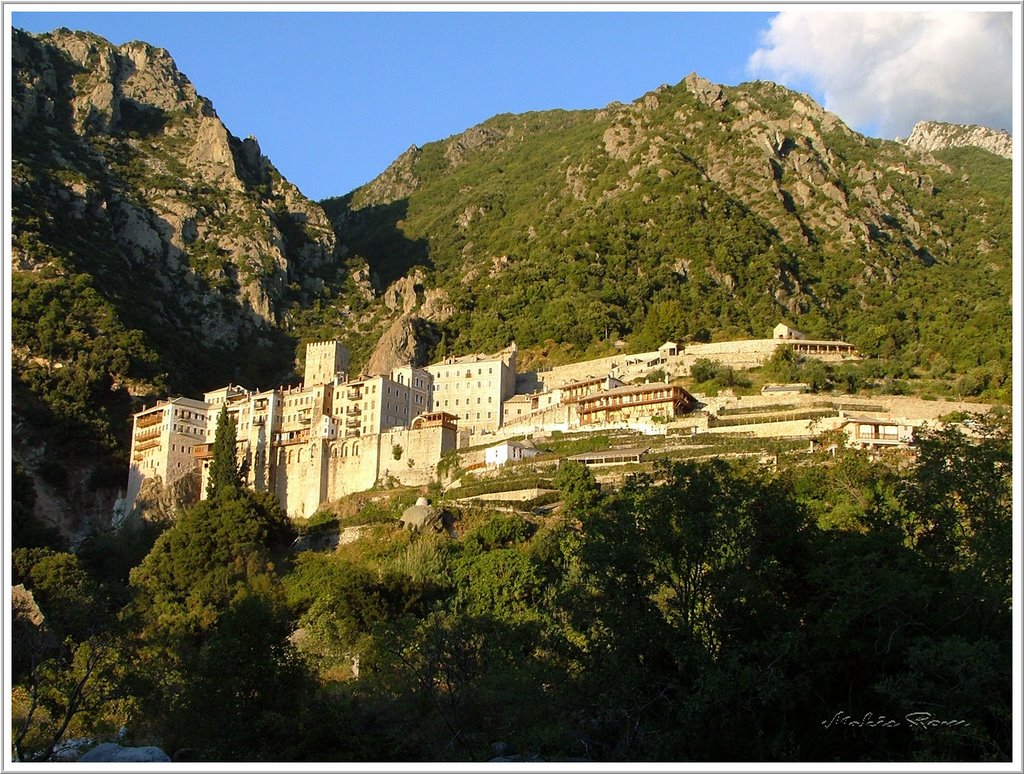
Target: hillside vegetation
x=699 y=212
x=703 y=612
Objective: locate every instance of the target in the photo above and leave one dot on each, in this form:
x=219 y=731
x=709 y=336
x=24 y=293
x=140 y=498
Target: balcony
x=352 y=433
x=291 y=437
x=354 y=393
x=150 y=419
x=353 y=411
x=147 y=435
x=354 y=422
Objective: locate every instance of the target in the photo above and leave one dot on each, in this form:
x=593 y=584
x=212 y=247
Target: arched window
x=355 y=450
x=344 y=450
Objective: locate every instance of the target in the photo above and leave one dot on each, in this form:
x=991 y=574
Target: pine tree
x=224 y=472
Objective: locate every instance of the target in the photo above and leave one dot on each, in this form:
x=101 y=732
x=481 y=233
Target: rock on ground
x=109 y=752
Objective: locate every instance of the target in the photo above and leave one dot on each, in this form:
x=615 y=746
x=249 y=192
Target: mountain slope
x=698 y=210
x=152 y=250
x=937 y=136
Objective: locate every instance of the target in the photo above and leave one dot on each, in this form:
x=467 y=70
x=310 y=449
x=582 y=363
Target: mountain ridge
x=164 y=254
x=938 y=135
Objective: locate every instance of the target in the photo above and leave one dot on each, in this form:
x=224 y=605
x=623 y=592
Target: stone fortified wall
x=420 y=451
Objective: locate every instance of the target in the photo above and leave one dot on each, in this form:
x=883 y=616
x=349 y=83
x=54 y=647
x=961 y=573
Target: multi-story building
x=325 y=438
x=634 y=403
x=474 y=388
x=163 y=439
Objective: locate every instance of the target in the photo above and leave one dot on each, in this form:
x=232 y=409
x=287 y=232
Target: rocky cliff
x=115 y=141
x=934 y=136
x=153 y=251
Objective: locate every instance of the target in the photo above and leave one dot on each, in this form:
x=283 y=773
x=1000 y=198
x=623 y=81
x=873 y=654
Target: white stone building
x=508 y=451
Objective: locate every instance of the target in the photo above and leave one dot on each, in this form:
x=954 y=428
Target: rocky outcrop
x=148 y=166
x=406 y=342
x=421 y=516
x=396 y=182
x=160 y=503
x=24 y=606
x=709 y=93
x=934 y=135
x=460 y=148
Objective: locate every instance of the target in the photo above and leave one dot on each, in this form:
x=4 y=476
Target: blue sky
x=334 y=96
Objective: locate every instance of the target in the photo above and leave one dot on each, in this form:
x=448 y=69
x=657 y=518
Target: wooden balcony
x=150 y=419
x=148 y=435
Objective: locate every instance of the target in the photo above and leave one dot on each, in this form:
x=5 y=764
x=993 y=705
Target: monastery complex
x=334 y=435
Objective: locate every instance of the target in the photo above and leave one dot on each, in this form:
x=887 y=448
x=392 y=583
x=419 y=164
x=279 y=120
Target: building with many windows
x=474 y=388
x=325 y=438
x=334 y=435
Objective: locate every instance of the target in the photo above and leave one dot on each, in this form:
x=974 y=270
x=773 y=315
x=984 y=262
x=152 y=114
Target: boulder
x=421 y=515
x=110 y=752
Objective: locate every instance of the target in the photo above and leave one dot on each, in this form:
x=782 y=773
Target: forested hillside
x=836 y=609
x=155 y=252
x=699 y=212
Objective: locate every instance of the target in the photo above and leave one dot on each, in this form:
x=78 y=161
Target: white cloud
x=882 y=71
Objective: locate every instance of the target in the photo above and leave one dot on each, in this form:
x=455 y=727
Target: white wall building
x=508 y=451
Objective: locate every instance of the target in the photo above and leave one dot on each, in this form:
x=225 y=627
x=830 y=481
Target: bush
x=704 y=369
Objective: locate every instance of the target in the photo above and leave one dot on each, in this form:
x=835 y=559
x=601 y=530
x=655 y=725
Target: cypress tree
x=224 y=473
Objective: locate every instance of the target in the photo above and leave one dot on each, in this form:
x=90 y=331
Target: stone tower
x=324 y=361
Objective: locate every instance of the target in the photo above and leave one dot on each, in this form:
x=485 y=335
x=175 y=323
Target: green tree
x=782 y=366
x=704 y=369
x=67 y=670
x=246 y=687
x=225 y=478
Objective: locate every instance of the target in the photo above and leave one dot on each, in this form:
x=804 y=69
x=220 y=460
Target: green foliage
x=581 y=494
x=67 y=672
x=225 y=479
x=711 y=373
x=82 y=355
x=497 y=532
x=75 y=603
x=703 y=611
x=502 y=582
x=246 y=687
x=214 y=550
x=704 y=369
